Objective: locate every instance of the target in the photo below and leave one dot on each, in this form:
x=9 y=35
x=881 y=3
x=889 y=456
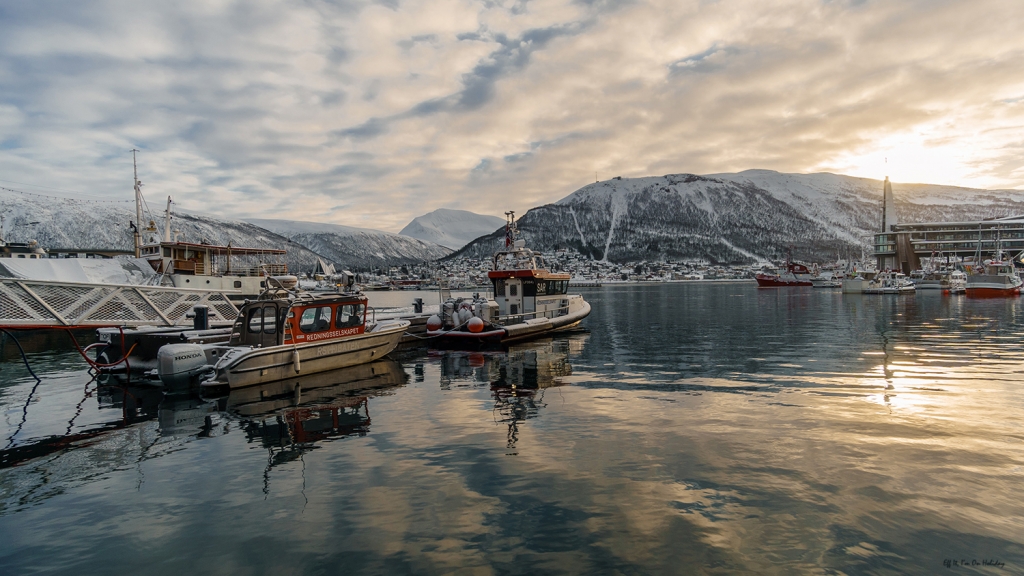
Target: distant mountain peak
x=355 y=247
x=451 y=228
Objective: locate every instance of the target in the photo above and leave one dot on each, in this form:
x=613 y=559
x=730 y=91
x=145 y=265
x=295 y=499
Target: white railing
x=26 y=303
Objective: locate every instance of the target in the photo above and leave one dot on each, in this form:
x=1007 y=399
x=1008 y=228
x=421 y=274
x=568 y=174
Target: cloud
x=393 y=109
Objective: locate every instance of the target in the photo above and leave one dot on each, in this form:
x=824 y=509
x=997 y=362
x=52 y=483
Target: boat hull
x=518 y=332
x=992 y=292
x=263 y=365
x=992 y=286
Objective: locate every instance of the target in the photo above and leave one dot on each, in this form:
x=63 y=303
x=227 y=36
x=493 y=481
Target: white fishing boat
x=283 y=334
x=946 y=280
x=529 y=300
x=889 y=282
x=827 y=280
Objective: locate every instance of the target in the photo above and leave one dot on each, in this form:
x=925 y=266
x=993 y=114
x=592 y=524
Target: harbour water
x=688 y=428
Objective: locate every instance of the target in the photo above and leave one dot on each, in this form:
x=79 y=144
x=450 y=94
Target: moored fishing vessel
x=889 y=282
x=795 y=274
x=949 y=281
x=283 y=334
x=529 y=300
x=998 y=279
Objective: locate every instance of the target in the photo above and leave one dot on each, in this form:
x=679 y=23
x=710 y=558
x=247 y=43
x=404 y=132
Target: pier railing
x=41 y=303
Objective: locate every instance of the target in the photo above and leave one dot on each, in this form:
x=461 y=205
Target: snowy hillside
x=739 y=217
x=65 y=223
x=357 y=248
x=451 y=228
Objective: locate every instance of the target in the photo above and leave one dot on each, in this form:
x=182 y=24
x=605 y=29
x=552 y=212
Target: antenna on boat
x=510 y=229
x=138 y=205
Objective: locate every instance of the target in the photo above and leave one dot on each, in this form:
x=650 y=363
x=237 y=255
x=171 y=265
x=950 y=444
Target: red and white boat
x=529 y=300
x=998 y=279
x=794 y=275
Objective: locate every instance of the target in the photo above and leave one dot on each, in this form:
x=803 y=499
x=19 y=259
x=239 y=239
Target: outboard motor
x=178 y=365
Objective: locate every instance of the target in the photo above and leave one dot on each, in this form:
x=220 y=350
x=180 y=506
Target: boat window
x=565 y=286
x=269 y=321
x=513 y=290
x=255 y=320
x=530 y=287
x=315 y=319
x=350 y=315
x=499 y=287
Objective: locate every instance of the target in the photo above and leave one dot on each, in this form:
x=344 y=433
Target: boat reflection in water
x=122 y=427
x=517 y=377
x=289 y=417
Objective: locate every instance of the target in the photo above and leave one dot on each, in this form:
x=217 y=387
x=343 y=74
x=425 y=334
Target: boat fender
x=475 y=325
x=295 y=360
x=434 y=323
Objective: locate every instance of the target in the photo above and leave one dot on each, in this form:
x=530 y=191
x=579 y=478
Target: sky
x=369 y=114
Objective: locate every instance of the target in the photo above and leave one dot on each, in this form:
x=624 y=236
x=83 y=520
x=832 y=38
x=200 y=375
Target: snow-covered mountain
x=451 y=228
x=741 y=217
x=358 y=248
x=68 y=223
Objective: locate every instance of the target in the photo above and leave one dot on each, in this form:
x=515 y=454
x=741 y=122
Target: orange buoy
x=434 y=323
x=475 y=325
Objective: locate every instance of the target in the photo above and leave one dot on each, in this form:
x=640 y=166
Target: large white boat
x=242 y=271
x=529 y=300
x=283 y=334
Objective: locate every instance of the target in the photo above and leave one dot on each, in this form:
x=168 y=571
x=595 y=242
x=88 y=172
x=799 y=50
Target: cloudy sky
x=371 y=113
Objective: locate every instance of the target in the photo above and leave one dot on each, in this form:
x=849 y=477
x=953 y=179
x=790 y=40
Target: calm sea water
x=688 y=428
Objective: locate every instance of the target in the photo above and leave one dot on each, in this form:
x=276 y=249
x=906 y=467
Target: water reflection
x=517 y=377
x=696 y=428
x=129 y=425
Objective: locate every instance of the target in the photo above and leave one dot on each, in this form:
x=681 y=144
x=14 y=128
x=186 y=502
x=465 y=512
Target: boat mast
x=138 y=206
x=167 y=221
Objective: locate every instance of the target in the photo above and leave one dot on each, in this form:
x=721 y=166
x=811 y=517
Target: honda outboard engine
x=178 y=365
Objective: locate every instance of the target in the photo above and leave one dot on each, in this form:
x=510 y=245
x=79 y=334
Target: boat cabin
x=1000 y=268
x=264 y=323
x=523 y=289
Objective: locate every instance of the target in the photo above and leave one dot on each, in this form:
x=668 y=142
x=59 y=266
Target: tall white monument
x=888 y=207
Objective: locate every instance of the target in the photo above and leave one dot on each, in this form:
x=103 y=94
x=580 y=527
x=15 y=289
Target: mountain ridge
x=738 y=217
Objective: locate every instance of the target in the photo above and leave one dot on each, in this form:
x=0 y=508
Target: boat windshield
x=315 y=319
x=349 y=315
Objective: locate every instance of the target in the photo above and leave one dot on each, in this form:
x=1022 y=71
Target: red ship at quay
x=794 y=275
